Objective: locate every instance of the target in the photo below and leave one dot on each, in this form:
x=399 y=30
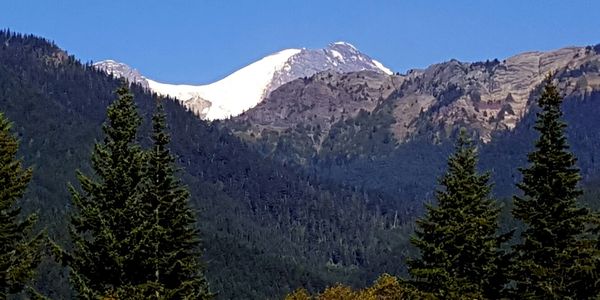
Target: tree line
x=464 y=256
x=133 y=233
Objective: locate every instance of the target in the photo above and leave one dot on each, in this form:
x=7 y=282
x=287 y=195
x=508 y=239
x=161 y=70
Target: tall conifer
x=554 y=258
x=457 y=239
x=19 y=249
x=106 y=256
x=133 y=230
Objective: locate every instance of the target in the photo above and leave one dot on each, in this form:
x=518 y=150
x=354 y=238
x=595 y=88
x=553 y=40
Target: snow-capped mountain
x=247 y=87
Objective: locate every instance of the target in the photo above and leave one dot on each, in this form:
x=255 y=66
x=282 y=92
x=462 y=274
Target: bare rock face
x=319 y=102
x=340 y=57
x=488 y=96
x=121 y=70
x=198 y=106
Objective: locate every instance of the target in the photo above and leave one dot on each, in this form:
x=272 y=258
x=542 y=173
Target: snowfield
x=247 y=87
x=235 y=93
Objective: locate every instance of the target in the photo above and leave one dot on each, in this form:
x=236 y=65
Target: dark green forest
x=266 y=226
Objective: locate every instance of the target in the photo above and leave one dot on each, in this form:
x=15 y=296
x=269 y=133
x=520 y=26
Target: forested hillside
x=543 y=246
x=266 y=228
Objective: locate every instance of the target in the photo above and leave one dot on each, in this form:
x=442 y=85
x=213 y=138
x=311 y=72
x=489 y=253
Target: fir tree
x=19 y=250
x=457 y=239
x=170 y=231
x=554 y=258
x=106 y=257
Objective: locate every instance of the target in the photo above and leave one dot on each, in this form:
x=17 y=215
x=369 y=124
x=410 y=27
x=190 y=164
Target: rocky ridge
x=121 y=70
x=486 y=97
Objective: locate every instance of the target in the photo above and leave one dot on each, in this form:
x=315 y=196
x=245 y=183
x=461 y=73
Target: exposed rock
x=319 y=101
x=121 y=70
x=494 y=95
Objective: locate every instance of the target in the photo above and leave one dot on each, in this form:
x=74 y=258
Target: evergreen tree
x=106 y=256
x=458 y=240
x=19 y=250
x=554 y=258
x=170 y=231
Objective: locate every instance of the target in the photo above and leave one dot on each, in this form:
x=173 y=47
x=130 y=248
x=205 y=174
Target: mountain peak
x=246 y=87
x=342 y=43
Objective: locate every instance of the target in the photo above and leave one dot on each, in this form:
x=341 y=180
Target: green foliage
x=460 y=249
x=20 y=251
x=555 y=259
x=133 y=231
x=386 y=287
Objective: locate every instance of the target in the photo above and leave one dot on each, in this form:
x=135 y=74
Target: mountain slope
x=490 y=96
x=248 y=86
x=338 y=127
x=302 y=112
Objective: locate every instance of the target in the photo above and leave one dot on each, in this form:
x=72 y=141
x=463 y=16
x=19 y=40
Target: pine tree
x=106 y=256
x=20 y=252
x=458 y=240
x=172 y=237
x=554 y=258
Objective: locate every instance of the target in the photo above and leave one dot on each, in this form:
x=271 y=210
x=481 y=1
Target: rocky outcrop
x=486 y=97
x=121 y=70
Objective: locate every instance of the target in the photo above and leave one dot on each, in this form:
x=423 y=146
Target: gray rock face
x=197 y=105
x=488 y=96
x=121 y=70
x=320 y=101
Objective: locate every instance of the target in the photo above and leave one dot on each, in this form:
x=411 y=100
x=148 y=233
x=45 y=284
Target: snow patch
x=381 y=67
x=182 y=92
x=235 y=93
x=345 y=44
x=337 y=55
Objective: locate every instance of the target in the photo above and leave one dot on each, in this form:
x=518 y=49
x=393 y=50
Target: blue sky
x=201 y=41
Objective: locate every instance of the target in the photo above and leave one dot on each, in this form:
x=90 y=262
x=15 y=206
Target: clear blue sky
x=201 y=41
